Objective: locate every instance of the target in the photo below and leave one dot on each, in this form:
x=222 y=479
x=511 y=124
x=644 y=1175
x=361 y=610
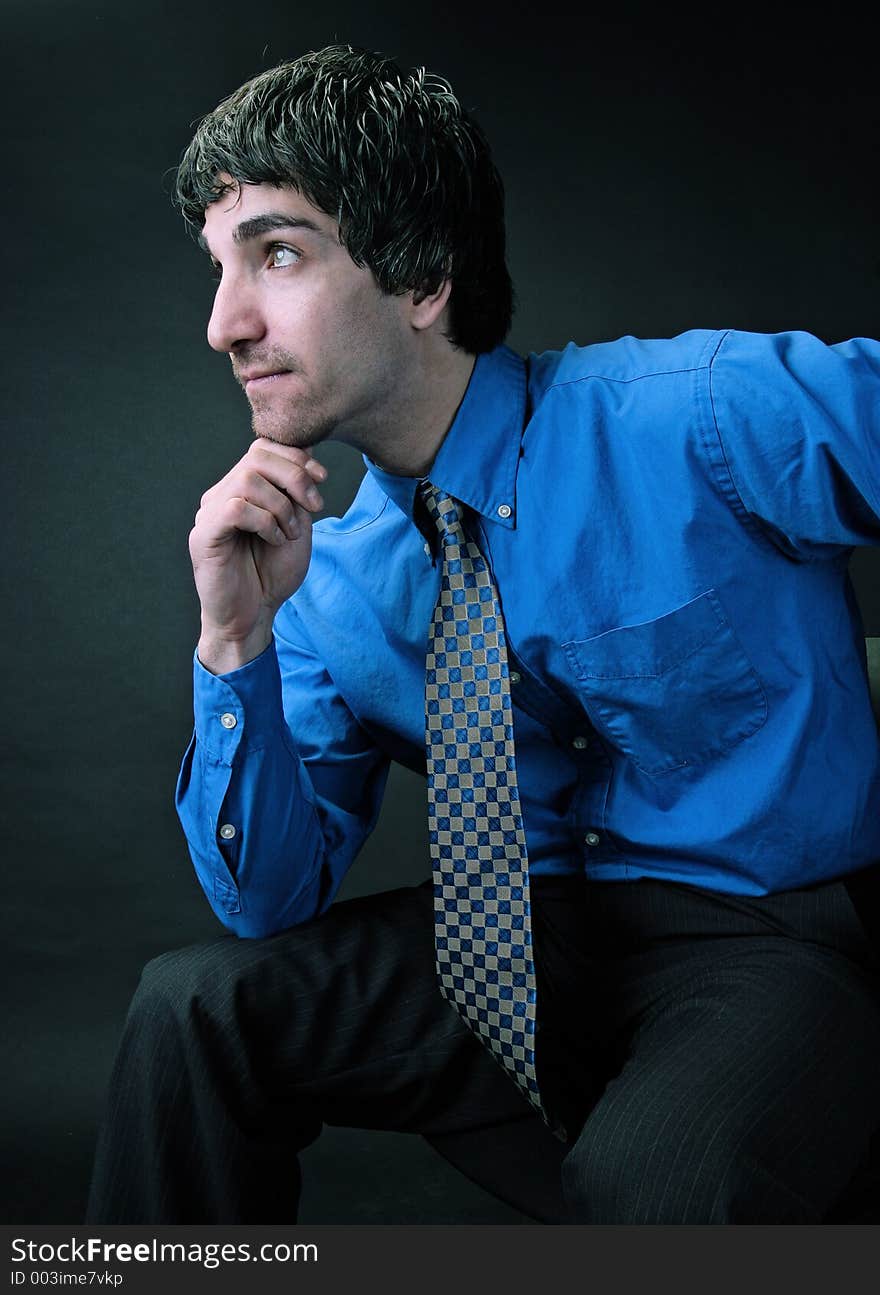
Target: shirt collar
x=478 y=458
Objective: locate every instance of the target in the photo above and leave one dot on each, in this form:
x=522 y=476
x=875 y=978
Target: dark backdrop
x=662 y=174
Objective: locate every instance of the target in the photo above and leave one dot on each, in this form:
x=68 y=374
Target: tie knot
x=443 y=509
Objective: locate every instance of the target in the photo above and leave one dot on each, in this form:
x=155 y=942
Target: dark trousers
x=715 y=1058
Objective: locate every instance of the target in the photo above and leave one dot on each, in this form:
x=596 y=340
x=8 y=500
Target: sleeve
x=279 y=787
x=798 y=426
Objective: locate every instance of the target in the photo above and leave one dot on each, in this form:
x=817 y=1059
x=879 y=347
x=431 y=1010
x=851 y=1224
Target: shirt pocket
x=670 y=692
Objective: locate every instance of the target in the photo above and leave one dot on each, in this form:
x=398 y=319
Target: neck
x=413 y=429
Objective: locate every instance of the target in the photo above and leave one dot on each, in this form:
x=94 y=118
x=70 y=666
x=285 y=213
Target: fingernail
x=313 y=497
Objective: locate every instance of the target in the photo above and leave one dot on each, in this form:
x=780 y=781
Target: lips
x=257 y=375
x=260 y=382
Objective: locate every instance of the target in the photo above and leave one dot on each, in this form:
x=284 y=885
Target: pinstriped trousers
x=715 y=1058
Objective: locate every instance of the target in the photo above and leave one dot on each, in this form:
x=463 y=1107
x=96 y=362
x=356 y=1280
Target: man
x=600 y=598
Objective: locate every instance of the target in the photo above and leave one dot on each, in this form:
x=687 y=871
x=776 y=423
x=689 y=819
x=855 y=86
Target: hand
x=250 y=547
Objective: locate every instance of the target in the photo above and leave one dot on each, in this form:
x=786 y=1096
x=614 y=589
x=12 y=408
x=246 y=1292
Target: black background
x=664 y=171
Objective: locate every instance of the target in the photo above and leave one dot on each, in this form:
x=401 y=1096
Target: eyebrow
x=263 y=224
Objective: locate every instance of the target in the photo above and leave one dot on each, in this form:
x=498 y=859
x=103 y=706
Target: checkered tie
x=478 y=848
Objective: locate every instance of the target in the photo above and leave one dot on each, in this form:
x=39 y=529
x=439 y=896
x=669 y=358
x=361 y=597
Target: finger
x=247 y=483
x=285 y=474
x=316 y=469
x=304 y=458
x=289 y=468
x=256 y=490
x=239 y=514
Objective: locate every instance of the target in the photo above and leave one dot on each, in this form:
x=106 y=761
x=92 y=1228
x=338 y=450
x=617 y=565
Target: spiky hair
x=394 y=159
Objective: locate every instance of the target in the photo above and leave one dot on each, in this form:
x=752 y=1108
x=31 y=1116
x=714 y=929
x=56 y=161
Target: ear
x=427 y=307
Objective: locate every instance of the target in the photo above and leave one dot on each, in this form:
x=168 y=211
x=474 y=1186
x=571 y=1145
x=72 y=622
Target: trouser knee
x=607 y=1186
x=727 y=1182
x=185 y=981
x=191 y=1009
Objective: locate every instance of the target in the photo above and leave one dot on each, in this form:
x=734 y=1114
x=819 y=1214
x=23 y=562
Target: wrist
x=220 y=654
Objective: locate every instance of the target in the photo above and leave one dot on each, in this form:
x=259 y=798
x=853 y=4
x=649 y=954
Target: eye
x=281 y=256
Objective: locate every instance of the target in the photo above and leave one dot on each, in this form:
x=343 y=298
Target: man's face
x=317 y=346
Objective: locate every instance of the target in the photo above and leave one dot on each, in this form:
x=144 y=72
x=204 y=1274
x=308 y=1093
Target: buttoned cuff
x=243 y=706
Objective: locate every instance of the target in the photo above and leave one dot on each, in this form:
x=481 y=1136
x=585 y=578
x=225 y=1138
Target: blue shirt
x=669 y=525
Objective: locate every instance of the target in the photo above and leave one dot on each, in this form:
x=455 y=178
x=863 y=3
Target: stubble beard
x=289 y=427
x=299 y=422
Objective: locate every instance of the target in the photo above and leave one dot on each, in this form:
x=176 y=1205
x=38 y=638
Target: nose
x=235 y=316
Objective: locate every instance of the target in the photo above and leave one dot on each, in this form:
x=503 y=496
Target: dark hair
x=394 y=159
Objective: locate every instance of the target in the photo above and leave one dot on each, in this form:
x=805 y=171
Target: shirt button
x=427 y=549
x=504 y=510
x=515 y=676
x=579 y=743
x=227 y=832
x=592 y=838
x=228 y=720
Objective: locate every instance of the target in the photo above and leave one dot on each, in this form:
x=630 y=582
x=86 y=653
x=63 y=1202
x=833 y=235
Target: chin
x=284 y=432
